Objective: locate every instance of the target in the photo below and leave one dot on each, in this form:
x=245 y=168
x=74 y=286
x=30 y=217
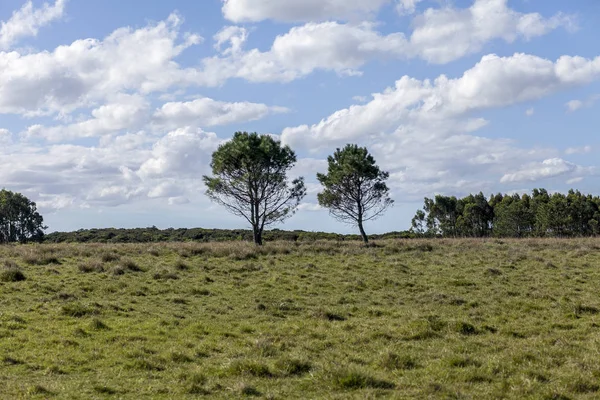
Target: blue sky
x=110 y=110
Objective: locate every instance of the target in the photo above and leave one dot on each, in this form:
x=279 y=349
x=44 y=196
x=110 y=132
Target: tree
x=418 y=223
x=513 y=217
x=250 y=180
x=354 y=187
x=19 y=219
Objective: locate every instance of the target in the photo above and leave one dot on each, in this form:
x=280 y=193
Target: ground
x=463 y=319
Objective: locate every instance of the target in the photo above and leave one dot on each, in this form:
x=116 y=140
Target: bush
x=12 y=274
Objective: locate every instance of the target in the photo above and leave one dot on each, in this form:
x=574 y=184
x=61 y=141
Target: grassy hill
x=416 y=319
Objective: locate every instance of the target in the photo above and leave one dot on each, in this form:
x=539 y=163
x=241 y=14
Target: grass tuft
x=353 y=380
x=393 y=362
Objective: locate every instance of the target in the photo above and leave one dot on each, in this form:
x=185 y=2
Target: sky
x=110 y=110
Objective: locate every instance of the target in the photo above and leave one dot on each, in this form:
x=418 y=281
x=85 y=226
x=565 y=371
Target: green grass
x=439 y=319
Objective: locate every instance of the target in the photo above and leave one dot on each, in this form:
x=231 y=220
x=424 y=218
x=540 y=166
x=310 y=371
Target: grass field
x=460 y=319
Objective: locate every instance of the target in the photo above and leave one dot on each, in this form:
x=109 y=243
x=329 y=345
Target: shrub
x=12 y=275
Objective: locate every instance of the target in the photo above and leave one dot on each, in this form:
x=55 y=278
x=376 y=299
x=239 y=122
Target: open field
x=462 y=319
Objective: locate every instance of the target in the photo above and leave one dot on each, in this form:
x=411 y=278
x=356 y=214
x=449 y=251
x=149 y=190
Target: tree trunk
x=257 y=236
x=362 y=232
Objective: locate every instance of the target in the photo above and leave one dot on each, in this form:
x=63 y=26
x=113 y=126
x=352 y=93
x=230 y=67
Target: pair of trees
x=250 y=180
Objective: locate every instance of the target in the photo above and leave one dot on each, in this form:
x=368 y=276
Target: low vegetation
x=463 y=319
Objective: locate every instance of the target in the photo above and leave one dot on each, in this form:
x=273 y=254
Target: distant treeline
x=537 y=215
x=153 y=234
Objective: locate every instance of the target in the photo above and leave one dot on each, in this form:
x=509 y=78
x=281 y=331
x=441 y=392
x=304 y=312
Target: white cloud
x=54 y=202
x=541 y=170
x=574 y=180
x=235 y=36
x=208 y=112
x=124 y=112
x=28 y=20
x=184 y=152
x=328 y=46
x=298 y=10
x=493 y=82
x=177 y=201
x=530 y=111
x=90 y=70
x=578 y=150
x=165 y=189
x=360 y=99
x=309 y=207
x=575 y=105
x=406 y=7
x=446 y=34
x=439 y=36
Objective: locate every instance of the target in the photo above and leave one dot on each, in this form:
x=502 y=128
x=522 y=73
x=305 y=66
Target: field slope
x=460 y=319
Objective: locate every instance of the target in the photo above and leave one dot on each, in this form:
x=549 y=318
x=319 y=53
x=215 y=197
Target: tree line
x=539 y=214
x=156 y=235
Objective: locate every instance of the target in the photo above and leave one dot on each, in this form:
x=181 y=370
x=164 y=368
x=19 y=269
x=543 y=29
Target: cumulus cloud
x=184 y=152
x=541 y=170
x=440 y=35
x=446 y=34
x=91 y=70
x=208 y=112
x=124 y=112
x=329 y=46
x=298 y=10
x=494 y=82
x=28 y=20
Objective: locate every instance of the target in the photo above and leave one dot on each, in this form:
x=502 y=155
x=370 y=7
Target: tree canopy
x=250 y=180
x=354 y=188
x=19 y=219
